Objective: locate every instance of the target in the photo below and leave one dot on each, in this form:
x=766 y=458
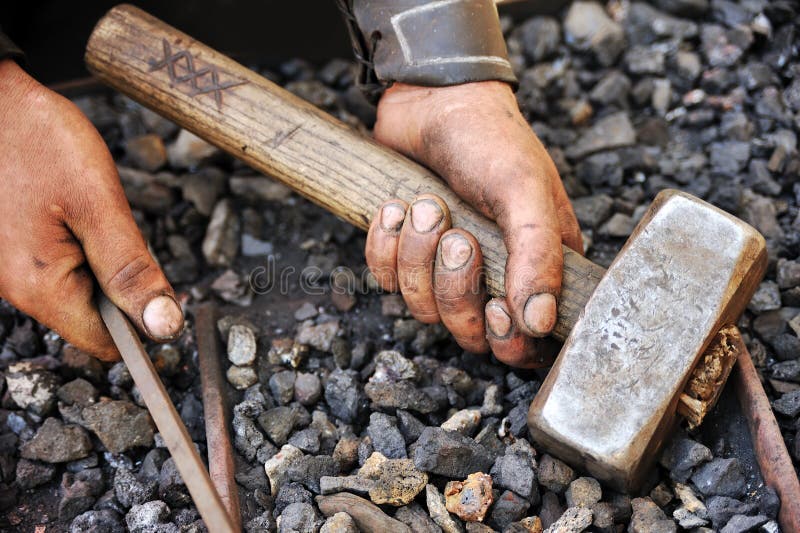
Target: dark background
x=53 y=33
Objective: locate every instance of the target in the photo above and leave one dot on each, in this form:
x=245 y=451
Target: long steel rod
x=771 y=453
x=166 y=418
x=221 y=467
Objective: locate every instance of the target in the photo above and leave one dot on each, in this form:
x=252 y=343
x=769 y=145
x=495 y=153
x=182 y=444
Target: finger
x=529 y=222
x=567 y=221
x=459 y=289
x=510 y=345
x=59 y=279
x=426 y=220
x=382 y=240
x=119 y=258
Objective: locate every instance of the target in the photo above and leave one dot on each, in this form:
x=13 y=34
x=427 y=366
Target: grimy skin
x=476 y=139
x=65 y=221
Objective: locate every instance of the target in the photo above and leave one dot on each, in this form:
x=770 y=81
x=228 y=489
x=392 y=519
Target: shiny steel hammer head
x=610 y=399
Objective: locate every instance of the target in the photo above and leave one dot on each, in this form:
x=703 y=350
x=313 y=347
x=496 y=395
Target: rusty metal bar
x=166 y=418
x=770 y=449
x=221 y=467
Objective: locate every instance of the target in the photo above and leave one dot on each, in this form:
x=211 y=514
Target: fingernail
x=392 y=216
x=162 y=317
x=540 y=313
x=456 y=251
x=497 y=320
x=426 y=215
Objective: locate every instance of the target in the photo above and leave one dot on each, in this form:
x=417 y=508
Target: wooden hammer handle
x=285 y=137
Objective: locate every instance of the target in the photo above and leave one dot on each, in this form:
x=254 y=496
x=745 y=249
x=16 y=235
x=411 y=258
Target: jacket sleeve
x=426 y=42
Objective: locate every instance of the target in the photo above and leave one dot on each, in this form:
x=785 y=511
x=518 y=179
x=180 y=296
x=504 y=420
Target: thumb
x=121 y=262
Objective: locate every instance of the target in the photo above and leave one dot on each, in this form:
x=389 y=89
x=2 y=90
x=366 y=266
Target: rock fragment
x=120 y=425
x=583 y=492
x=574 y=520
x=469 y=499
x=450 y=454
x=438 y=511
x=55 y=442
x=554 y=474
x=241 y=345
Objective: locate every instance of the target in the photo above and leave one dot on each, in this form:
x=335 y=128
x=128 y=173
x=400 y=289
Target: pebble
x=146 y=152
x=450 y=454
x=788 y=273
x=574 y=520
x=438 y=511
x=32 y=388
x=281 y=384
x=682 y=455
x=307 y=388
x=241 y=377
x=104 y=520
x=587 y=27
x=648 y=518
x=259 y=187
x=401 y=395
x=241 y=345
x=720 y=477
x=308 y=470
x=591 y=211
x=465 y=421
x=30 y=474
x=278 y=465
x=221 y=241
x=416 y=518
x=395 y=482
x=299 y=517
x=554 y=474
x=339 y=523
x=386 y=437
x=469 y=499
x=318 y=336
x=189 y=151
x=120 y=425
x=612 y=131
x=345 y=396
x=79 y=492
x=788 y=404
x=307 y=440
x=516 y=470
x=722 y=508
x=131 y=489
x=766 y=298
x=56 y=442
x=391 y=366
x=508 y=508
x=743 y=524
x=583 y=492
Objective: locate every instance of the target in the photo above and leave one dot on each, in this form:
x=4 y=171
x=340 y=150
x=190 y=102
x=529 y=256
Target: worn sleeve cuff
x=427 y=42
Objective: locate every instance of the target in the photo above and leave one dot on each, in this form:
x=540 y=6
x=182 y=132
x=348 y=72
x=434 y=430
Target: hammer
x=634 y=335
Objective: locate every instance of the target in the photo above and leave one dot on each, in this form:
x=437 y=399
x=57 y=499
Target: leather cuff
x=9 y=50
x=426 y=42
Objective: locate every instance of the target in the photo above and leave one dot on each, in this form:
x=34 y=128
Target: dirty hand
x=475 y=138
x=63 y=213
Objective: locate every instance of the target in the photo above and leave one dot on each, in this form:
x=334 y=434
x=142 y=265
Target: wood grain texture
x=284 y=137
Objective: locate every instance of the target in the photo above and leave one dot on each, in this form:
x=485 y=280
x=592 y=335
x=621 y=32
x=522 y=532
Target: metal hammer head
x=610 y=399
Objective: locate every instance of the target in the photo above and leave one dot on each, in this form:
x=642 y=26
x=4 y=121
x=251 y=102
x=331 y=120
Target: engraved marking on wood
x=193 y=76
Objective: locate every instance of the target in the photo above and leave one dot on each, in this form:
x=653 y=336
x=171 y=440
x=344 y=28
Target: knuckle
x=134 y=272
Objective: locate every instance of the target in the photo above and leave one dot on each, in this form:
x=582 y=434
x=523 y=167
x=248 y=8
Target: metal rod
x=166 y=418
x=221 y=467
x=773 y=457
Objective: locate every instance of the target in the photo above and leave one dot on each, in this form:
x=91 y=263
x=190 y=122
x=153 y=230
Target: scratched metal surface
x=622 y=367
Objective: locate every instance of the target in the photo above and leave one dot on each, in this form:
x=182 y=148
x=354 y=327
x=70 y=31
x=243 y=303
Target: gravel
x=347 y=391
